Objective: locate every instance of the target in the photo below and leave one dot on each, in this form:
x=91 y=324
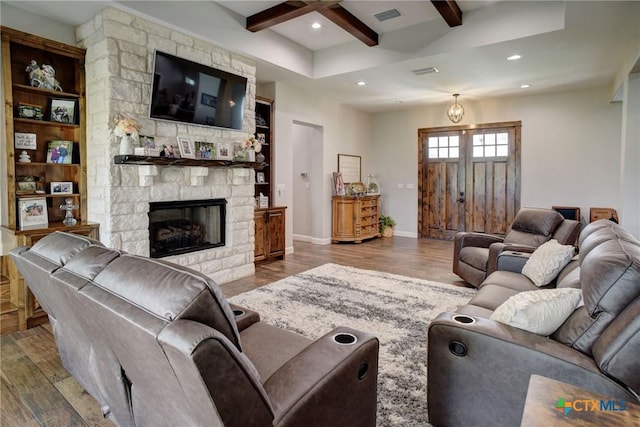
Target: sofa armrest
x=463 y=239
x=512 y=261
x=328 y=383
x=497 y=248
x=467 y=360
x=244 y=317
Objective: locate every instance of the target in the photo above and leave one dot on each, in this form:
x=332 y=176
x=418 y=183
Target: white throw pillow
x=546 y=262
x=540 y=312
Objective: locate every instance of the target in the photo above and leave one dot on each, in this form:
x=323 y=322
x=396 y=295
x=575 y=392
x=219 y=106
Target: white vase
x=251 y=155
x=126 y=145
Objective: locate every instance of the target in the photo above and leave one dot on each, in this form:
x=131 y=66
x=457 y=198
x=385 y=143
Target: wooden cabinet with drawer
x=354 y=219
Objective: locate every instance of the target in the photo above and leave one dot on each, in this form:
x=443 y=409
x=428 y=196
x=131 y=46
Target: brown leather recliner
x=475 y=255
x=157 y=344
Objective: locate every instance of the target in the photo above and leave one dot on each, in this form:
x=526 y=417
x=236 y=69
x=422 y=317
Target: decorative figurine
x=42 y=76
x=24 y=157
x=68 y=206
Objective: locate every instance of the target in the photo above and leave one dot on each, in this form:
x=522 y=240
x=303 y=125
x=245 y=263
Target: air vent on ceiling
x=423 y=71
x=389 y=14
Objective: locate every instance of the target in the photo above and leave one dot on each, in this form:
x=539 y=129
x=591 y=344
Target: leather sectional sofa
x=157 y=344
x=478 y=369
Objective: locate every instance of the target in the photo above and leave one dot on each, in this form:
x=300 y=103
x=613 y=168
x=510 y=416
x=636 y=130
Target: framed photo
x=187 y=149
x=260 y=179
x=32 y=213
x=224 y=151
x=64 y=187
x=60 y=152
x=208 y=100
x=63 y=110
x=338 y=184
x=25 y=141
x=205 y=150
x=30 y=111
x=261 y=138
x=349 y=167
x=146 y=141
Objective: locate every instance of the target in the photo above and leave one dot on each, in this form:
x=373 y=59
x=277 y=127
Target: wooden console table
x=543 y=395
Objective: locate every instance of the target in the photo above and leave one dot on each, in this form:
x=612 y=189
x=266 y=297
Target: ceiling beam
x=345 y=20
x=329 y=9
x=277 y=15
x=450 y=11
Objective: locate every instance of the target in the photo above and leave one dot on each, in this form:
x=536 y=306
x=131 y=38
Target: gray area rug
x=394 y=308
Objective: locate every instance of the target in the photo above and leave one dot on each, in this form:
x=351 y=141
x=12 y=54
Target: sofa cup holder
x=238 y=313
x=344 y=338
x=461 y=318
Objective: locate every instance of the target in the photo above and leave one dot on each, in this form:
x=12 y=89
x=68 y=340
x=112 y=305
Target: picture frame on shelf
x=224 y=151
x=261 y=138
x=28 y=184
x=187 y=148
x=63 y=111
x=62 y=187
x=350 y=168
x=260 y=178
x=60 y=152
x=205 y=150
x=32 y=213
x=30 y=111
x=25 y=141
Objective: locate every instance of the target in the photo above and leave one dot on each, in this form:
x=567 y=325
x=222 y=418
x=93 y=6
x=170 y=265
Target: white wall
x=345 y=131
x=570 y=149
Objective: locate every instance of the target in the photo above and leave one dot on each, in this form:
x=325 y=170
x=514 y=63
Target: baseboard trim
x=405 y=234
x=312 y=240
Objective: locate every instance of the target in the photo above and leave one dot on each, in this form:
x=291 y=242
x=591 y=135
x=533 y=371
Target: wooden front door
x=469 y=179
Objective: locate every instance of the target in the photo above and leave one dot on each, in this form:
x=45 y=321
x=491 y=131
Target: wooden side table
x=540 y=408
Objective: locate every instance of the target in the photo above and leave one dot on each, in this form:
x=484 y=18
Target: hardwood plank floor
x=37 y=391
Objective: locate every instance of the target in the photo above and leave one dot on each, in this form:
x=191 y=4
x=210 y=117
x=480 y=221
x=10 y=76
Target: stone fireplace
x=119 y=62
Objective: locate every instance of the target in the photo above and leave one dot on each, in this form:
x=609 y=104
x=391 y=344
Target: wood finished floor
x=37 y=391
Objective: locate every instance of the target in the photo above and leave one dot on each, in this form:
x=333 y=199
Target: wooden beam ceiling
x=450 y=11
x=329 y=9
x=332 y=10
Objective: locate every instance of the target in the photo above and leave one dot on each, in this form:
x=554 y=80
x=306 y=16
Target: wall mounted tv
x=188 y=92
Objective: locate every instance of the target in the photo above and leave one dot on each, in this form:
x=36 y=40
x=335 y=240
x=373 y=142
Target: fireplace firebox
x=186 y=226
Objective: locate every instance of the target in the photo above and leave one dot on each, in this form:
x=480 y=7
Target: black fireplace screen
x=186 y=226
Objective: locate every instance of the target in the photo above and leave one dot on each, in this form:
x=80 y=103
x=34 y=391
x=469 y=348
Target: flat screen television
x=188 y=92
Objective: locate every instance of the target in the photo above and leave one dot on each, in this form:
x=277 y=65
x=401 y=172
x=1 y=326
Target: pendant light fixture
x=455 y=110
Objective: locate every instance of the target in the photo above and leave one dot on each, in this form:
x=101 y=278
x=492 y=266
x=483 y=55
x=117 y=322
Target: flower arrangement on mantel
x=252 y=143
x=126 y=126
x=127 y=129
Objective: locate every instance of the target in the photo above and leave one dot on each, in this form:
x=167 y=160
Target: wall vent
x=389 y=14
x=423 y=71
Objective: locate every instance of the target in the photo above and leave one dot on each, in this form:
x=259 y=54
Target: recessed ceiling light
x=361 y=83
x=514 y=57
x=524 y=86
x=316 y=25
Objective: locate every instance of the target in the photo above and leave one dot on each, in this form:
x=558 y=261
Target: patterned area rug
x=394 y=308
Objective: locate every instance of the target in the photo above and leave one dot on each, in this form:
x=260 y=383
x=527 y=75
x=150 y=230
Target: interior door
x=469 y=179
